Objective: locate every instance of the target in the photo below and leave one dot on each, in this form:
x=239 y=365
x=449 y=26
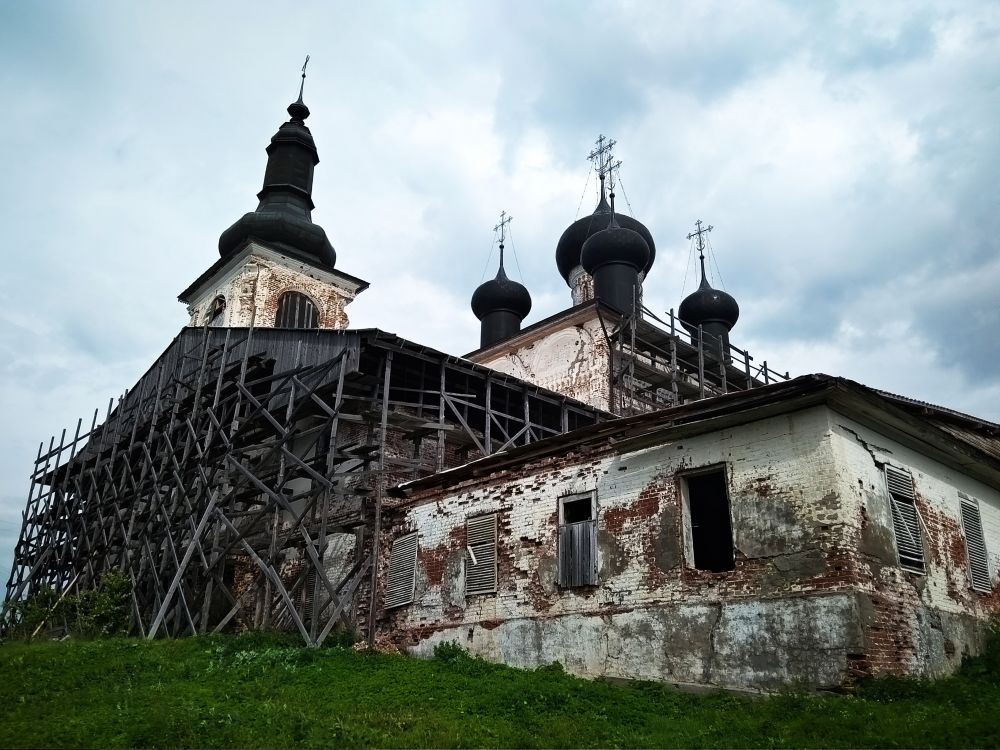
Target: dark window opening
x=575 y=511
x=217 y=311
x=296 y=310
x=711 y=530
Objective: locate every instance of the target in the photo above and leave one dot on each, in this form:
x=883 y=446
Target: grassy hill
x=264 y=691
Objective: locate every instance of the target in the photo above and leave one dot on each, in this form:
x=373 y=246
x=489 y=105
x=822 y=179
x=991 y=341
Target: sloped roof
x=970 y=443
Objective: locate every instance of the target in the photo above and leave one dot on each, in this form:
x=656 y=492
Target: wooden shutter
x=402 y=571
x=481 y=556
x=975 y=545
x=905 y=519
x=578 y=553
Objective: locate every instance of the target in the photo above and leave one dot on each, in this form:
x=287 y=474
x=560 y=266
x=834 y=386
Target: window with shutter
x=975 y=544
x=577 y=540
x=481 y=555
x=402 y=571
x=905 y=519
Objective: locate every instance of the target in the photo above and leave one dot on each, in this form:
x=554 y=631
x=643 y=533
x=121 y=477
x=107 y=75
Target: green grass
x=265 y=691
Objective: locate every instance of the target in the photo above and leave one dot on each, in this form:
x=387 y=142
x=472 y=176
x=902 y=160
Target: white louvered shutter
x=975 y=545
x=905 y=520
x=481 y=563
x=402 y=571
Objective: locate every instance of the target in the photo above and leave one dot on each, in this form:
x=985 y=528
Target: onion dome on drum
x=500 y=304
x=714 y=310
x=614 y=257
x=283 y=218
x=708 y=307
x=571 y=242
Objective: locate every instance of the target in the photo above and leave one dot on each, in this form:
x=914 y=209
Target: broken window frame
x=687 y=527
x=907 y=525
x=304 y=315
x=976 y=552
x=481 y=554
x=215 y=315
x=401 y=576
x=582 y=534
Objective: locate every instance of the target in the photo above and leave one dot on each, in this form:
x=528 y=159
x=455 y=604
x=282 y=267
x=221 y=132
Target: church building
x=625 y=492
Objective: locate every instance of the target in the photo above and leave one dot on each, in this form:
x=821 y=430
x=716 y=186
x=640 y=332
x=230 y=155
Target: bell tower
x=276 y=266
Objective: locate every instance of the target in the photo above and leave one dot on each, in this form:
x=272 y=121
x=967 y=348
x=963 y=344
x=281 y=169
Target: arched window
x=296 y=310
x=217 y=311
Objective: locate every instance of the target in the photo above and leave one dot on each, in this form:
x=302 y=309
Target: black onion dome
x=298 y=237
x=571 y=242
x=501 y=294
x=707 y=305
x=615 y=244
x=283 y=218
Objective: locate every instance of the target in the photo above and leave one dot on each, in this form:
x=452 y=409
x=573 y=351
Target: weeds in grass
x=266 y=690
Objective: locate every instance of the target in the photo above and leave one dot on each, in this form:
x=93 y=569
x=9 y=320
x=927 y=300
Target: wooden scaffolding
x=241 y=481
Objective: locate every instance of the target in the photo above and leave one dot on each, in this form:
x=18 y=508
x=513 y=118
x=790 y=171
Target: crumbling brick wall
x=574 y=361
x=785 y=613
x=253 y=289
x=913 y=623
x=803 y=604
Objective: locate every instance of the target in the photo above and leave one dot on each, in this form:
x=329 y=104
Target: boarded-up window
x=577 y=540
x=905 y=519
x=975 y=544
x=402 y=571
x=296 y=310
x=481 y=555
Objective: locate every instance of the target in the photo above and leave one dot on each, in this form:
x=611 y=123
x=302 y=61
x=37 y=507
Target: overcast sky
x=847 y=155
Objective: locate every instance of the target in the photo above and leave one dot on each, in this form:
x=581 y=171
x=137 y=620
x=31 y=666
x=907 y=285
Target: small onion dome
x=501 y=295
x=615 y=244
x=571 y=242
x=706 y=305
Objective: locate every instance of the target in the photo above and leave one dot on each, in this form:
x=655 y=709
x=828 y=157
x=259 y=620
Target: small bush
x=101 y=612
x=450 y=652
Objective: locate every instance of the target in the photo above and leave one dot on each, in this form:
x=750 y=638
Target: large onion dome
x=283 y=218
x=571 y=242
x=614 y=244
x=615 y=256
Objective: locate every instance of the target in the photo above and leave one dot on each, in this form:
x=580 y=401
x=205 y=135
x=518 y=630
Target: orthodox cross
x=505 y=219
x=699 y=233
x=603 y=157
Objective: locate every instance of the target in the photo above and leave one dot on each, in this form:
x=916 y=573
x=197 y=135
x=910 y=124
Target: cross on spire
x=700 y=234
x=603 y=158
x=501 y=227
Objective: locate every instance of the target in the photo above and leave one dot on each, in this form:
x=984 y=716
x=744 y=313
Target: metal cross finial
x=505 y=219
x=699 y=233
x=303 y=84
x=602 y=155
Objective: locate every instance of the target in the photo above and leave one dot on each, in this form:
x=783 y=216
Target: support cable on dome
x=489 y=255
x=579 y=205
x=510 y=236
x=715 y=262
x=625 y=195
